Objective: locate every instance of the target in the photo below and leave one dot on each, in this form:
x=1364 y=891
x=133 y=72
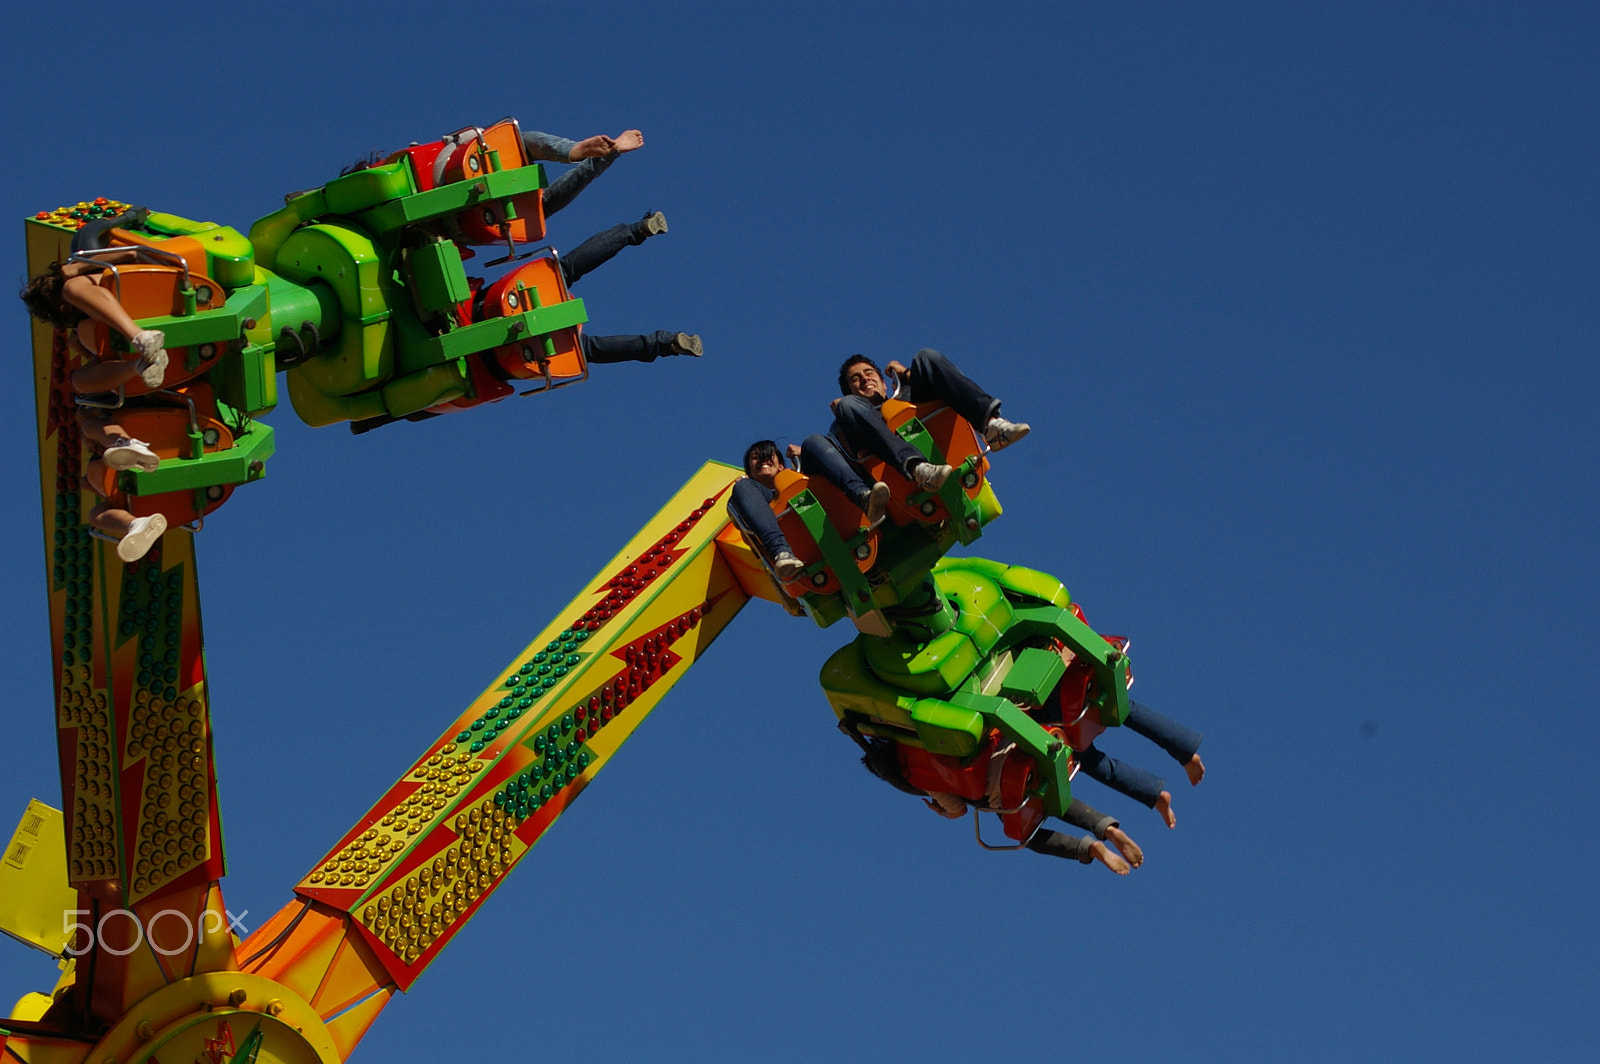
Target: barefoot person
x=1181 y=743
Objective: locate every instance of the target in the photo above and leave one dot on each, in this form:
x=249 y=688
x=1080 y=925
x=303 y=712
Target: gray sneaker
x=787 y=566
x=875 y=503
x=153 y=369
x=687 y=344
x=1000 y=433
x=930 y=477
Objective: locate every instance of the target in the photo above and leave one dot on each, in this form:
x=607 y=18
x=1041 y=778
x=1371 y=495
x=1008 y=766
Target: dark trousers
x=1081 y=816
x=564 y=189
x=1180 y=742
x=598 y=350
x=859 y=425
x=600 y=249
x=749 y=505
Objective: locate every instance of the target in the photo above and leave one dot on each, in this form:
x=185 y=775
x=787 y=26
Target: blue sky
x=1301 y=302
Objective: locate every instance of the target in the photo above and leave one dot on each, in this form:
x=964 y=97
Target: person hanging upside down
x=67 y=297
x=858 y=417
x=749 y=503
x=882 y=758
x=1181 y=743
x=593 y=156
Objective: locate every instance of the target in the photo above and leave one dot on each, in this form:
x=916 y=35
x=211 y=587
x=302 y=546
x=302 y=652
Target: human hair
x=42 y=294
x=758 y=452
x=366 y=162
x=844 y=371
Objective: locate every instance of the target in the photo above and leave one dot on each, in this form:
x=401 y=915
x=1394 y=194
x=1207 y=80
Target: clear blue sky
x=1301 y=301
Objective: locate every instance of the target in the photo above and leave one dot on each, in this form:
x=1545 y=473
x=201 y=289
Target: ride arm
x=417 y=866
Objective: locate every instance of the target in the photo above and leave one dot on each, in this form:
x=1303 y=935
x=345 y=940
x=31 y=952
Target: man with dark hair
x=750 y=503
x=858 y=417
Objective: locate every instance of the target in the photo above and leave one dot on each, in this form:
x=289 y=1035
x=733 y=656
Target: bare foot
x=627 y=140
x=590 y=147
x=1129 y=848
x=1164 y=807
x=1195 y=769
x=1108 y=857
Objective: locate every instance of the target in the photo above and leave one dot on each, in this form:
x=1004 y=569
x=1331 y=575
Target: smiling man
x=858 y=417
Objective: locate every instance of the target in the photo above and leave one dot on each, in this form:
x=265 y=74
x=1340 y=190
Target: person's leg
x=1085 y=817
x=1181 y=742
x=604 y=245
x=820 y=458
x=933 y=376
x=1084 y=850
x=861 y=426
x=601 y=350
x=1142 y=786
x=119 y=450
x=99 y=304
x=564 y=189
x=100 y=376
x=749 y=507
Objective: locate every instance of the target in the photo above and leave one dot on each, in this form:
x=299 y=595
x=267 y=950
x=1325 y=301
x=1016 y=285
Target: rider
x=860 y=426
x=750 y=503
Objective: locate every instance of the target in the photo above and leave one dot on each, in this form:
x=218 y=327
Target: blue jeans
x=546 y=147
x=820 y=458
x=750 y=507
x=1180 y=742
x=599 y=350
x=750 y=502
x=600 y=249
x=859 y=424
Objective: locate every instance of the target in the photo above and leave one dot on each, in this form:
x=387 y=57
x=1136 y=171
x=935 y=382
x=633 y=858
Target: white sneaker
x=1000 y=433
x=129 y=453
x=930 y=477
x=787 y=566
x=153 y=369
x=875 y=504
x=142 y=535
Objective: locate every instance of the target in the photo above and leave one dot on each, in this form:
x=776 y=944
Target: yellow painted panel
x=33 y=881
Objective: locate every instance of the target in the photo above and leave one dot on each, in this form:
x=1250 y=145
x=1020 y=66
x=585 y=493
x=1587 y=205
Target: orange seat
x=1070 y=704
x=151 y=291
x=188 y=248
x=845 y=517
x=166 y=429
x=954 y=438
x=556 y=357
x=486 y=223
